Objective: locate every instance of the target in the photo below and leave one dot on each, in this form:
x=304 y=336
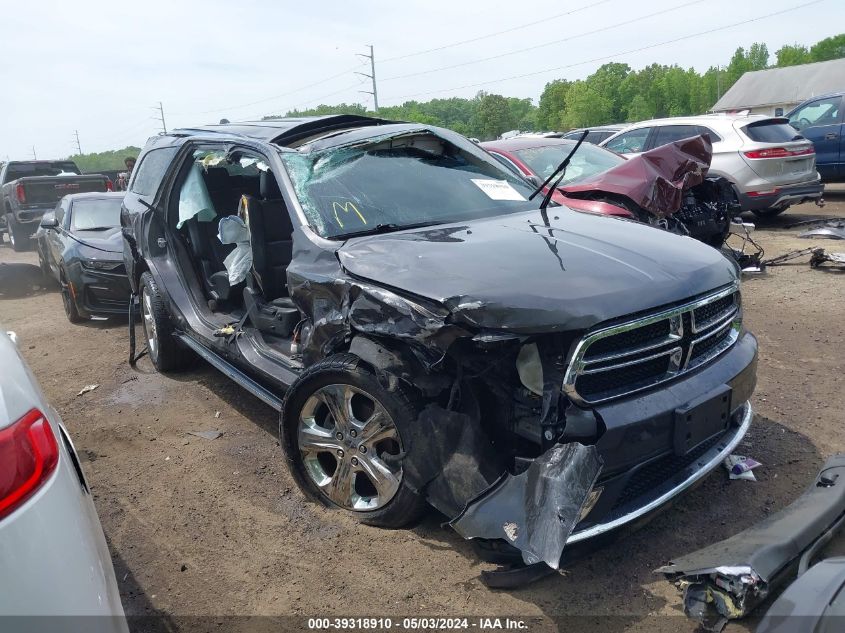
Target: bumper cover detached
x=536 y=510
x=727 y=580
x=574 y=492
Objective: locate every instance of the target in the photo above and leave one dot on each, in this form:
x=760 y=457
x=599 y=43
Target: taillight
x=778 y=152
x=109 y=185
x=28 y=456
x=20 y=193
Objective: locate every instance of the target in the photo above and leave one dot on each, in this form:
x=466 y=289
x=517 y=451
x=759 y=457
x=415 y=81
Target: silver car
x=55 y=570
x=770 y=165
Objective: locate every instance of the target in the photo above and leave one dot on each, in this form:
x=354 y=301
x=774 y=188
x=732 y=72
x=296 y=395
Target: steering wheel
x=804 y=122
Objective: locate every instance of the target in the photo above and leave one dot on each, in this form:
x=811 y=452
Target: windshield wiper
x=387 y=227
x=97 y=228
x=561 y=169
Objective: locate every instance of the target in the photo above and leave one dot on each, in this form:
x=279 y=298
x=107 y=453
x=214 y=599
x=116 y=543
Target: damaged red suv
x=432 y=335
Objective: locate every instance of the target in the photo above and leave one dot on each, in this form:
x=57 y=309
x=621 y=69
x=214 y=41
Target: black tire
x=405 y=506
x=768 y=213
x=18 y=237
x=164 y=351
x=68 y=300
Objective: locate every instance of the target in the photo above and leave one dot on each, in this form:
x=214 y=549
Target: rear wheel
x=18 y=236
x=768 y=213
x=163 y=349
x=343 y=437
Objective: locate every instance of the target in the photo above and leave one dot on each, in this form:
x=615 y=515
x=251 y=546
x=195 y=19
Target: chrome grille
x=644 y=352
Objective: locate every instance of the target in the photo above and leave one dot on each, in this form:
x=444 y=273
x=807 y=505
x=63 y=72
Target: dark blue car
x=820 y=119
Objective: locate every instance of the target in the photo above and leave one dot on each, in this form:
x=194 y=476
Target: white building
x=775 y=91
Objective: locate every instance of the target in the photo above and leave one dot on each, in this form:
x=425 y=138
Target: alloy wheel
x=149 y=323
x=345 y=438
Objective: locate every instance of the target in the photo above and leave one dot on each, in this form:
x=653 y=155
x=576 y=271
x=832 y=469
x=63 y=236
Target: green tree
x=104 y=161
x=792 y=55
x=493 y=116
x=828 y=48
x=552 y=104
x=586 y=106
x=758 y=56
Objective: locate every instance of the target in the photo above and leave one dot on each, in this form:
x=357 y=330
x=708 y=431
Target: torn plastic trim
x=728 y=579
x=709 y=461
x=536 y=510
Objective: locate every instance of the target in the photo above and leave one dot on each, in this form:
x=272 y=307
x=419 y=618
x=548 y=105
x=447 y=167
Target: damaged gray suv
x=430 y=335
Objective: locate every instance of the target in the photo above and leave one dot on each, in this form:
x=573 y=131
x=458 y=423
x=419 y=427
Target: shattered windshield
x=587 y=161
x=400 y=181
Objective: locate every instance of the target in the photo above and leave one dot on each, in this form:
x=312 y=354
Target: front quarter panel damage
x=451 y=459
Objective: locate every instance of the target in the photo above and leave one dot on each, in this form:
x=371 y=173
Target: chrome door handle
x=830 y=136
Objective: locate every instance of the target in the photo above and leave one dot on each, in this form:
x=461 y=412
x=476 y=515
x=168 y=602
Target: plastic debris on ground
x=208 y=435
x=740 y=467
x=86 y=389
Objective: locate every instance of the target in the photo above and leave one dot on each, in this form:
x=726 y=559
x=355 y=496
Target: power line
x=553 y=42
x=614 y=55
x=274 y=97
x=302 y=103
x=489 y=35
x=374 y=92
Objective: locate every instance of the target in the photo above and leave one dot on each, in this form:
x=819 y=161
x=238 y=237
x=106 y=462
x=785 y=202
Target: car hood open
x=655 y=180
x=527 y=273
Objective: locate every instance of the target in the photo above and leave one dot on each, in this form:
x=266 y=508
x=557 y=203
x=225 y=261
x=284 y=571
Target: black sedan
x=80 y=245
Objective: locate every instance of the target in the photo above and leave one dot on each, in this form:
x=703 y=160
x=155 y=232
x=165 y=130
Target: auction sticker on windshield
x=497 y=189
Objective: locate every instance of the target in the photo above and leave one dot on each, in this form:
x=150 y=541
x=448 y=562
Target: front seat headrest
x=268 y=186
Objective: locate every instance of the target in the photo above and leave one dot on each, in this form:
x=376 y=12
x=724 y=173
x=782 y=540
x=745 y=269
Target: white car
x=770 y=165
x=56 y=573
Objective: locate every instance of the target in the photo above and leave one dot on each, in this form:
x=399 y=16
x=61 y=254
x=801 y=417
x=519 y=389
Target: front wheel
x=69 y=299
x=345 y=438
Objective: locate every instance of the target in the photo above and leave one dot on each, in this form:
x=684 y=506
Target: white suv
x=770 y=165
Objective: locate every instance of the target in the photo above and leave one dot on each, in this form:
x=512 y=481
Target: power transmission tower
x=160 y=116
x=78 y=146
x=372 y=76
x=34 y=155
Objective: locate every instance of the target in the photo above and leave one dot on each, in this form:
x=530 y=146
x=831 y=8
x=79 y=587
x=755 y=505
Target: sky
x=101 y=68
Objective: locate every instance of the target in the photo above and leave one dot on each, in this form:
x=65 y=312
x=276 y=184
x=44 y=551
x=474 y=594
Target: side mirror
x=534 y=180
x=48 y=221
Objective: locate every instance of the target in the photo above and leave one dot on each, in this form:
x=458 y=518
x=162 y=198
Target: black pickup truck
x=30 y=188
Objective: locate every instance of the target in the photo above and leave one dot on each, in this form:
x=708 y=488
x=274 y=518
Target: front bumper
x=99 y=292
x=782 y=197
x=636 y=467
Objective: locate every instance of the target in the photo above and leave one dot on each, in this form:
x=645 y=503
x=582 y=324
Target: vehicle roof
x=95 y=195
x=599 y=128
x=702 y=119
x=283 y=131
x=525 y=142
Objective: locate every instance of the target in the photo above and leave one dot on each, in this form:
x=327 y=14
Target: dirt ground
x=217 y=528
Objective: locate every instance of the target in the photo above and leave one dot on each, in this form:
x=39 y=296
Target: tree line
x=615 y=93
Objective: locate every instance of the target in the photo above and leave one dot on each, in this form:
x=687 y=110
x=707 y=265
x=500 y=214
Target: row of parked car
x=434 y=325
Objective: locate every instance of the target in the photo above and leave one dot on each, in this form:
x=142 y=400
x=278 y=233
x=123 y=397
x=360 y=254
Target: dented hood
x=655 y=180
x=522 y=273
